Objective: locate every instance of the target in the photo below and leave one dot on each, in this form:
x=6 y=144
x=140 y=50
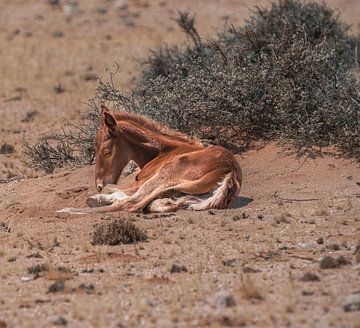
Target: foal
x=176 y=172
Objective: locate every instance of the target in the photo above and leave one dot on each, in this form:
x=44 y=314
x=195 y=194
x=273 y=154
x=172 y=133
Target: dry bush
x=6 y=148
x=73 y=146
x=119 y=231
x=285 y=76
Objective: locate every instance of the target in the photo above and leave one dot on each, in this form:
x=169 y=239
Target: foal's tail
x=221 y=197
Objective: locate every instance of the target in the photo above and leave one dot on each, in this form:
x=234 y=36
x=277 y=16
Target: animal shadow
x=241 y=202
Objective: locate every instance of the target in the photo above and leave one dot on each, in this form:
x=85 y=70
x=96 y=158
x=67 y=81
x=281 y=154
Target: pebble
x=222 y=299
x=177 y=268
x=26 y=279
x=329 y=262
x=60 y=321
x=309 y=276
x=352 y=303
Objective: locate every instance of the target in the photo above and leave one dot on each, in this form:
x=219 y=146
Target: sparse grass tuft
x=6 y=148
x=74 y=146
x=117 y=232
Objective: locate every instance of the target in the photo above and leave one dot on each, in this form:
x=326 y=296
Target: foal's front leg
x=104 y=199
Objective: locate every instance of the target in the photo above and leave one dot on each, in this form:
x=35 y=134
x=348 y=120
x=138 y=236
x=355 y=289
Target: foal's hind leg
x=162 y=205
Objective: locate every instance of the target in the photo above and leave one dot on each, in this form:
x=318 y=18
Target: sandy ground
x=244 y=266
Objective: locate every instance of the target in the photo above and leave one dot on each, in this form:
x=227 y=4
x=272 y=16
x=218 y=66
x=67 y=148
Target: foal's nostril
x=99 y=187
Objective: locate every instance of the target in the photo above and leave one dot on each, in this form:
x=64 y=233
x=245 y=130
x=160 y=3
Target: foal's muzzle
x=99 y=187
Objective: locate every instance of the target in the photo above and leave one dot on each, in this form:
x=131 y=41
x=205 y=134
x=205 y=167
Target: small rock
x=5 y=227
x=121 y=4
x=307 y=293
x=63 y=269
x=352 y=303
x=329 y=262
x=29 y=116
x=309 y=276
x=333 y=247
x=229 y=263
x=71 y=8
x=26 y=279
x=36 y=269
x=60 y=321
x=320 y=241
x=177 y=268
x=57 y=286
x=90 y=288
x=54 y=3
x=304 y=245
x=58 y=34
x=58 y=89
x=342 y=260
x=101 y=10
x=89 y=76
x=247 y=269
x=238 y=217
x=148 y=301
x=260 y=217
x=271 y=255
x=222 y=300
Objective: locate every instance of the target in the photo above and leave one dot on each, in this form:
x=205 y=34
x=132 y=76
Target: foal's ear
x=104 y=109
x=107 y=118
x=110 y=121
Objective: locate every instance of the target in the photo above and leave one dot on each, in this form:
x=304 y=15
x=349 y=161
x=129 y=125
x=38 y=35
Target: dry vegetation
x=301 y=59
x=287 y=255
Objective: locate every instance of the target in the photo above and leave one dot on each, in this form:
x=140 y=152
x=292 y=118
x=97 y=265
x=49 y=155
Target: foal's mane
x=143 y=123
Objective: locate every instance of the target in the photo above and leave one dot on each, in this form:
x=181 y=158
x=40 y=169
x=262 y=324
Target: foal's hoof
x=92 y=202
x=98 y=200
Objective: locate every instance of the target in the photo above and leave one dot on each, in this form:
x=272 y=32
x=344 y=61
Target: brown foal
x=177 y=172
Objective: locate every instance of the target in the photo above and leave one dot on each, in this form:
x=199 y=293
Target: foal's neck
x=144 y=144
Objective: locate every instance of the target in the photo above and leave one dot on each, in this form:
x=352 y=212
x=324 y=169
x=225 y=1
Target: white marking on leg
x=118 y=195
x=70 y=210
x=103 y=199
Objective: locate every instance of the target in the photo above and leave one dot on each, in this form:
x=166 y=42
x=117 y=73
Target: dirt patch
x=290 y=215
x=98 y=258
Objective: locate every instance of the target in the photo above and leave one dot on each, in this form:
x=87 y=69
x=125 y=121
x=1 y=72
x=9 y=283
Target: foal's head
x=112 y=153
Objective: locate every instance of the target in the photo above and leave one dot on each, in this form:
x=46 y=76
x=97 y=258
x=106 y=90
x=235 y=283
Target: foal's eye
x=106 y=152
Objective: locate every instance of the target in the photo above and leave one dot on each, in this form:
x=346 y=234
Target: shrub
x=6 y=148
x=118 y=231
x=285 y=76
x=73 y=146
x=317 y=21
x=288 y=75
